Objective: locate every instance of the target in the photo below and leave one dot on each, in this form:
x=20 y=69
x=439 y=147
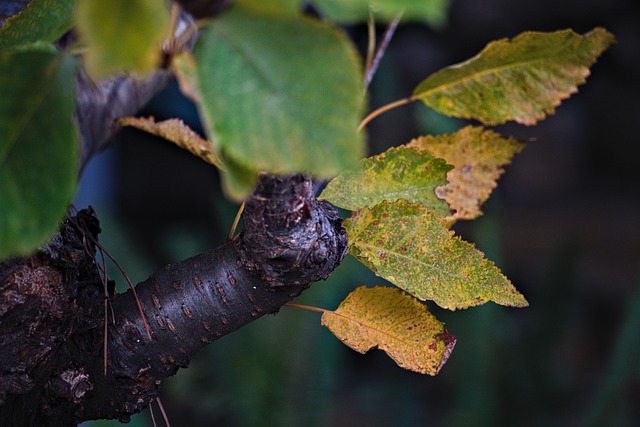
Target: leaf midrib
x=476 y=76
x=368 y=327
x=490 y=290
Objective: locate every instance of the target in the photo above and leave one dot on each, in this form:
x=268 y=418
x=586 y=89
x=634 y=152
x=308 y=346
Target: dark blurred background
x=564 y=225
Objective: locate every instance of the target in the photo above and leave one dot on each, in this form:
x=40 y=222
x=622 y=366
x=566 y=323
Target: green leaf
x=176 y=131
x=478 y=157
x=399 y=173
x=38 y=147
x=522 y=79
x=432 y=12
x=41 y=21
x=413 y=249
x=122 y=35
x=389 y=319
x=280 y=94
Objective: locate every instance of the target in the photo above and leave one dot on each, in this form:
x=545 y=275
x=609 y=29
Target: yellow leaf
x=478 y=157
x=179 y=133
x=389 y=319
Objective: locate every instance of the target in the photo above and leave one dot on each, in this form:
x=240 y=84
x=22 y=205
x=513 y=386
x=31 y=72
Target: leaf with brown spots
x=398 y=173
x=521 y=79
x=388 y=319
x=478 y=157
x=412 y=248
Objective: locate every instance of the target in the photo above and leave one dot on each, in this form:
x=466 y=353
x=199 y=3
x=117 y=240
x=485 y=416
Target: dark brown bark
x=52 y=308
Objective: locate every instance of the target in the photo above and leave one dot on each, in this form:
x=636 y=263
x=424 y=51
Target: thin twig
x=153 y=418
x=371 y=47
x=104 y=278
x=133 y=290
x=372 y=66
x=164 y=414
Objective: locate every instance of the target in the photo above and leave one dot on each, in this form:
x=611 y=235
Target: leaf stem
x=307 y=307
x=371 y=47
x=375 y=113
x=236 y=220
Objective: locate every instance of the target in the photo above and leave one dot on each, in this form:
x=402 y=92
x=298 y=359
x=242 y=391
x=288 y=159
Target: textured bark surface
x=52 y=308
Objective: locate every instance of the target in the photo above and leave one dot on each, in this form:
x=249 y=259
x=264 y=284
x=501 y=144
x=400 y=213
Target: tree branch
x=290 y=241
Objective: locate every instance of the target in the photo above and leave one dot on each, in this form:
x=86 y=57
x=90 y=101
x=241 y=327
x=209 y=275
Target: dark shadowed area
x=564 y=225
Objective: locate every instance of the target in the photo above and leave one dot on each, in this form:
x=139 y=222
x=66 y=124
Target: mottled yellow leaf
x=176 y=131
x=478 y=157
x=388 y=319
x=521 y=79
x=398 y=173
x=411 y=247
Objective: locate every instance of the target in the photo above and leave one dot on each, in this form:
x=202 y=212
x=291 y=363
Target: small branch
x=371 y=46
x=372 y=65
x=375 y=113
x=164 y=414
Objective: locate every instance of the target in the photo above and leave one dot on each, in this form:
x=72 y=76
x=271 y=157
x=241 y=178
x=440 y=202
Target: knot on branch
x=291 y=237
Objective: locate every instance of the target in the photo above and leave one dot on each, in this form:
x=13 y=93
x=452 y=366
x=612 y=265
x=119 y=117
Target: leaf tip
x=449 y=341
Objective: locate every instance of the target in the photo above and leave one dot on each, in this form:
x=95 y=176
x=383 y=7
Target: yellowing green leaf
x=412 y=248
x=478 y=157
x=432 y=12
x=399 y=173
x=41 y=21
x=122 y=35
x=280 y=94
x=38 y=147
x=176 y=131
x=522 y=79
x=389 y=319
